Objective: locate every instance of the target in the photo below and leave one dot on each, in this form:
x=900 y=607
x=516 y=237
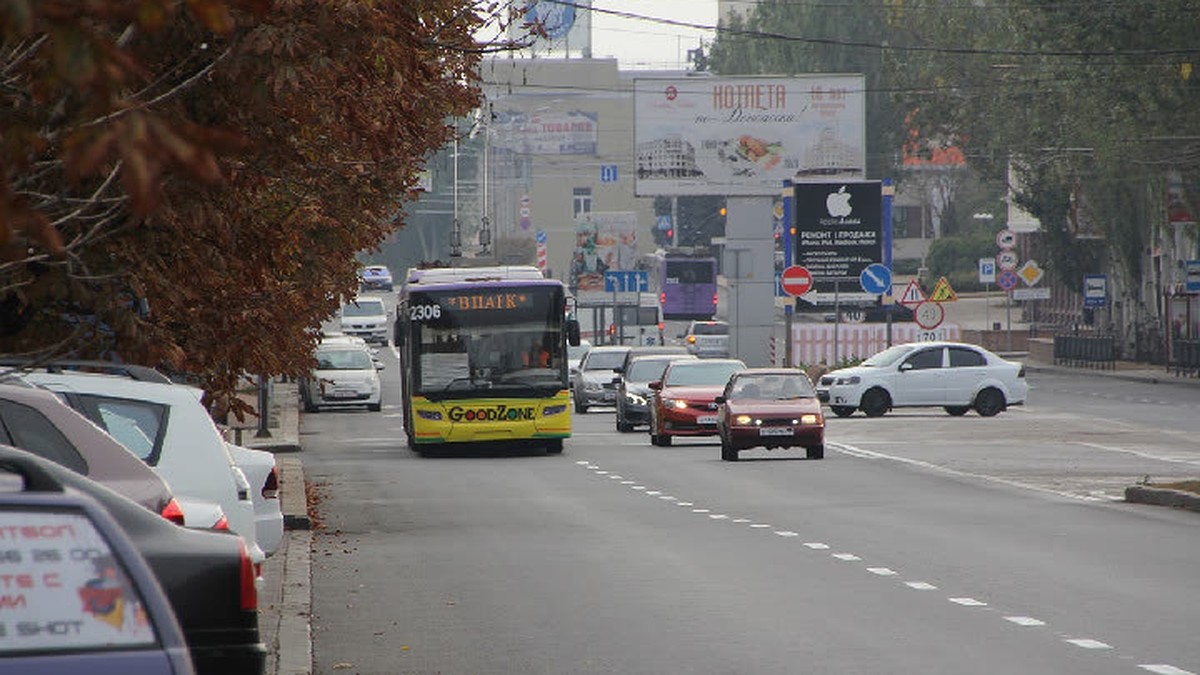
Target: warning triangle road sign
x=942 y=291
x=913 y=295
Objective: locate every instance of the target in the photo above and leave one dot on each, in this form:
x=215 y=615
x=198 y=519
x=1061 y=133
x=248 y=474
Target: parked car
x=208 y=577
x=169 y=429
x=375 y=277
x=707 y=339
x=953 y=375
x=120 y=619
x=684 y=399
x=593 y=382
x=367 y=318
x=261 y=471
x=771 y=408
x=575 y=354
x=346 y=375
x=633 y=387
x=35 y=420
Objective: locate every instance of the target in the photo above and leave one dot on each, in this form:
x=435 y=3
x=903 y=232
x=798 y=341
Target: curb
x=1140 y=494
x=292 y=649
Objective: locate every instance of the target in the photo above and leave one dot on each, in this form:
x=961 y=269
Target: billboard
x=839 y=231
x=546 y=133
x=745 y=136
x=567 y=26
x=603 y=242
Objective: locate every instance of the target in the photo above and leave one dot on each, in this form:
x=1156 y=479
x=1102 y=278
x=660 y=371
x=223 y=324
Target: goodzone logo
x=499 y=414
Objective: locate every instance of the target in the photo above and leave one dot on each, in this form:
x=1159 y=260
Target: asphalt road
x=921 y=544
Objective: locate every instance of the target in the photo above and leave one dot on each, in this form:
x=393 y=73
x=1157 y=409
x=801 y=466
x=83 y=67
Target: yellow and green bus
x=483 y=358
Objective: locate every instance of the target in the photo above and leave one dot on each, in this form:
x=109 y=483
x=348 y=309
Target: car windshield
x=646 y=370
x=344 y=359
x=710 y=329
x=776 y=387
x=606 y=360
x=701 y=374
x=363 y=308
x=887 y=357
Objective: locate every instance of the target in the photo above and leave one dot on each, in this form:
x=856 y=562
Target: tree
x=216 y=168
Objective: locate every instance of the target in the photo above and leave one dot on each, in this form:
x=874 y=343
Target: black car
x=633 y=386
x=208 y=577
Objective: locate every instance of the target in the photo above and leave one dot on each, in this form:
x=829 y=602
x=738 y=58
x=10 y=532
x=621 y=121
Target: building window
x=582 y=201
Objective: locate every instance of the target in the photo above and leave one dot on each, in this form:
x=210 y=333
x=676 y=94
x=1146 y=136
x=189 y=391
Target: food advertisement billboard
x=745 y=136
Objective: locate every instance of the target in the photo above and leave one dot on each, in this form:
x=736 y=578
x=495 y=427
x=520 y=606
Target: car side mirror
x=656 y=385
x=719 y=400
x=905 y=367
x=573 y=332
x=379 y=365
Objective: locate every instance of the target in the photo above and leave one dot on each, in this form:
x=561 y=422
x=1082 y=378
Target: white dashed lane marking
x=1027 y=621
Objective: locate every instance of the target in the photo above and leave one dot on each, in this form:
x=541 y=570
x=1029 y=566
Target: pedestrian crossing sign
x=942 y=291
x=913 y=295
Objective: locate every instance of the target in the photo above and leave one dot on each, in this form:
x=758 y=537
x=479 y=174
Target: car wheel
x=816 y=451
x=989 y=402
x=308 y=406
x=661 y=440
x=842 y=410
x=375 y=407
x=624 y=427
x=957 y=410
x=580 y=407
x=728 y=454
x=875 y=402
x=554 y=447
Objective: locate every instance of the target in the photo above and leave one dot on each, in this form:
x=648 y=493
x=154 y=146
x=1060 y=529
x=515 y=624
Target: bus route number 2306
x=424 y=312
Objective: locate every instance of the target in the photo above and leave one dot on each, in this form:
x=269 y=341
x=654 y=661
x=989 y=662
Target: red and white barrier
x=814 y=343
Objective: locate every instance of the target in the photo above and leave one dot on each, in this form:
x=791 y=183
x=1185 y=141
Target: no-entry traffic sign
x=796 y=280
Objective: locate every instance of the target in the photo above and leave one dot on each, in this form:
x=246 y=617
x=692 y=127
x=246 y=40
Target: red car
x=772 y=408
x=683 y=403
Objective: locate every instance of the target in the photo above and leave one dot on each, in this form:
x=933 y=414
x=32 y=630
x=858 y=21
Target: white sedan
x=951 y=375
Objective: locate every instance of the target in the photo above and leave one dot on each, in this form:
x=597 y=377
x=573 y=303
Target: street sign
x=663 y=223
x=796 y=281
x=608 y=173
x=913 y=295
x=1007 y=260
x=1039 y=293
x=1006 y=239
x=1192 y=269
x=1008 y=280
x=622 y=281
x=929 y=315
x=1095 y=290
x=1030 y=272
x=942 y=292
x=987 y=270
x=875 y=278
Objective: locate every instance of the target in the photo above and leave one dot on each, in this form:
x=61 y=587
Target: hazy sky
x=642 y=44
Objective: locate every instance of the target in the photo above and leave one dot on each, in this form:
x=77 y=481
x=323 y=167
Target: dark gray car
x=633 y=387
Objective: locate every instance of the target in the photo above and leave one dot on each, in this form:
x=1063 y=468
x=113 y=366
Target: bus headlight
x=430 y=415
x=553 y=410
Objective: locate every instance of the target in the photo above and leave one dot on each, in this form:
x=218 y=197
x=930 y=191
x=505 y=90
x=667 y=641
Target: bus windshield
x=506 y=342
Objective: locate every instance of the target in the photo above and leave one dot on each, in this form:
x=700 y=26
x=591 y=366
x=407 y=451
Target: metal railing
x=1185 y=357
x=1085 y=352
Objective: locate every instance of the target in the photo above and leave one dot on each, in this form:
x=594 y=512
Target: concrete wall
x=748 y=263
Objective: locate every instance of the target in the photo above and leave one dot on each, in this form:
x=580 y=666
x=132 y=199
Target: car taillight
x=249 y=588
x=714 y=299
x=662 y=298
x=270 y=488
x=222 y=524
x=173 y=512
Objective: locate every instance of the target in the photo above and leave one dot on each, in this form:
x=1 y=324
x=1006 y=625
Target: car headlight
x=591 y=386
x=743 y=419
x=677 y=403
x=634 y=399
x=853 y=379
x=430 y=415
x=810 y=418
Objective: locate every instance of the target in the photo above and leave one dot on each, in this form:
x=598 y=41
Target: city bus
x=483 y=358
x=686 y=282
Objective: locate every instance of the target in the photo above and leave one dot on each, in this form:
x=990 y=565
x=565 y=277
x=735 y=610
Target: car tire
x=728 y=454
x=580 y=408
x=957 y=410
x=375 y=407
x=989 y=402
x=816 y=451
x=661 y=440
x=843 y=410
x=875 y=402
x=623 y=426
x=309 y=406
x=554 y=446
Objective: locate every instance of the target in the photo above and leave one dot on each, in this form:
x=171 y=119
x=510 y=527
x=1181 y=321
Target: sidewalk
x=285 y=599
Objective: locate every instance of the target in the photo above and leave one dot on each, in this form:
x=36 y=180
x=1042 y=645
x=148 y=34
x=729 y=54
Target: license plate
x=707 y=419
x=609 y=396
x=343 y=393
x=775 y=431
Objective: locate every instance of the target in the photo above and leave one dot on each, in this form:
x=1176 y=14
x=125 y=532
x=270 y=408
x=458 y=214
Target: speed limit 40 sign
x=929 y=315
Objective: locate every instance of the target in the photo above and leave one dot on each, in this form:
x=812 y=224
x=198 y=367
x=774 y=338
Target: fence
x=1185 y=357
x=1085 y=352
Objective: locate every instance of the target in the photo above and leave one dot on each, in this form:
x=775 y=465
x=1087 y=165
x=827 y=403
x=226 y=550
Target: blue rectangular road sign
x=1095 y=290
x=1192 y=275
x=608 y=173
x=623 y=281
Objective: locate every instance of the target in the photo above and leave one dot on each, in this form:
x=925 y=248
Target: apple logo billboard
x=839 y=231
x=838 y=203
